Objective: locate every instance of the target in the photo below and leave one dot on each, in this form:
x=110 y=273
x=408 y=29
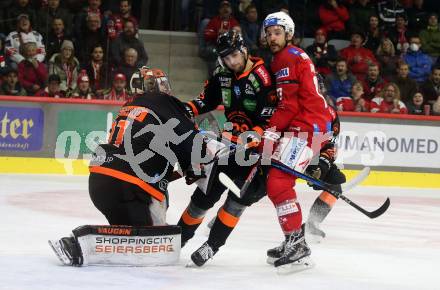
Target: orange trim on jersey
x=193 y=108
x=257 y=62
x=328 y=198
x=189 y=220
x=259 y=130
x=230 y=137
x=129 y=178
x=227 y=218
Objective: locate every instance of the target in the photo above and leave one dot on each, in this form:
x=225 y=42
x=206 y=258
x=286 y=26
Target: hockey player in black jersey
x=129 y=175
x=243 y=86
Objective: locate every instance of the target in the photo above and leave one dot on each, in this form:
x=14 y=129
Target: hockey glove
x=193 y=174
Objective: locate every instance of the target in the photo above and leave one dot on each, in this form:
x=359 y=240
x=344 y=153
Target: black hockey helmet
x=228 y=42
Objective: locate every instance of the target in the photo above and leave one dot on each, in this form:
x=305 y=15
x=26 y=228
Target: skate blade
x=192 y=265
x=271 y=260
x=56 y=247
x=298 y=266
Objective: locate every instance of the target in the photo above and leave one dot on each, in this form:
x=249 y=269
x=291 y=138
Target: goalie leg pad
x=128 y=246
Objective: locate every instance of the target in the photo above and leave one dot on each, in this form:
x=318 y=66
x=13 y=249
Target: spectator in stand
x=360 y=13
x=83 y=89
x=431 y=87
x=388 y=11
x=92 y=36
x=129 y=64
x=32 y=73
x=419 y=63
x=223 y=22
x=323 y=55
x=81 y=19
x=98 y=71
x=339 y=84
x=373 y=83
x=388 y=101
x=46 y=16
x=128 y=39
x=251 y=28
x=354 y=103
x=18 y=8
x=430 y=37
x=387 y=58
x=123 y=16
x=56 y=36
x=23 y=34
x=416 y=105
x=53 y=88
x=118 y=92
x=417 y=17
x=407 y=86
x=66 y=66
x=10 y=85
x=399 y=35
x=358 y=57
x=436 y=107
x=2 y=49
x=333 y=16
x=374 y=35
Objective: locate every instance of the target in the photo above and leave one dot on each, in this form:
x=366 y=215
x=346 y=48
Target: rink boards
x=57 y=136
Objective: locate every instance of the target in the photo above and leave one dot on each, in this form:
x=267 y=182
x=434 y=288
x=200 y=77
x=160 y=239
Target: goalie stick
x=225 y=180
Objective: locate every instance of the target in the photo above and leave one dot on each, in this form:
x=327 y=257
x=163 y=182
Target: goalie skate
x=303 y=264
x=61 y=253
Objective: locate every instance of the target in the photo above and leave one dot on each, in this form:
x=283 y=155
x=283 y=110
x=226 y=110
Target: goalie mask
x=149 y=80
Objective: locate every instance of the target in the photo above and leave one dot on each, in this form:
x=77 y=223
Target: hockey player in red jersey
x=297 y=126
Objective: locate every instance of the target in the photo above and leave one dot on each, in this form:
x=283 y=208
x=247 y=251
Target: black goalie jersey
x=149 y=135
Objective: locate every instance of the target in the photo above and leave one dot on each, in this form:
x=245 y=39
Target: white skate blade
x=271 y=260
x=56 y=247
x=191 y=265
x=298 y=266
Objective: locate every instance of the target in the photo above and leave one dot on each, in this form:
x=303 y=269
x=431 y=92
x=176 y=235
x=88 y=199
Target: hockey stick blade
x=226 y=181
x=328 y=187
x=371 y=214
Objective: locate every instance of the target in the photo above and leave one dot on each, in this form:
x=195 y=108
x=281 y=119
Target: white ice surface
x=399 y=250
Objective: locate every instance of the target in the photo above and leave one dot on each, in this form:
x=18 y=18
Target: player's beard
x=275 y=47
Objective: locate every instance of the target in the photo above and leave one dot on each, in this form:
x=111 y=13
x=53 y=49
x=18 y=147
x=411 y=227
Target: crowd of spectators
x=390 y=65
x=77 y=49
x=90 y=48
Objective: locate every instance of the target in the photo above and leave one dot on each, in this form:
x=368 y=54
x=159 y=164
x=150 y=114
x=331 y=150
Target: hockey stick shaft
x=327 y=187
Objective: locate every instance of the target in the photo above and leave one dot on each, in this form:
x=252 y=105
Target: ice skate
x=296 y=253
x=314 y=233
x=203 y=254
x=275 y=253
x=67 y=251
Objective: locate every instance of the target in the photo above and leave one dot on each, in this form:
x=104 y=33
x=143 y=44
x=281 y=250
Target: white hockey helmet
x=149 y=80
x=281 y=19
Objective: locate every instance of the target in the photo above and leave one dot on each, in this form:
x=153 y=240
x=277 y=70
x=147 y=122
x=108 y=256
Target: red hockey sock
x=280 y=191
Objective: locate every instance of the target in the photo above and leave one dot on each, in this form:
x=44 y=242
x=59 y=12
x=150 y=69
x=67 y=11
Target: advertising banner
x=21 y=128
x=392 y=145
